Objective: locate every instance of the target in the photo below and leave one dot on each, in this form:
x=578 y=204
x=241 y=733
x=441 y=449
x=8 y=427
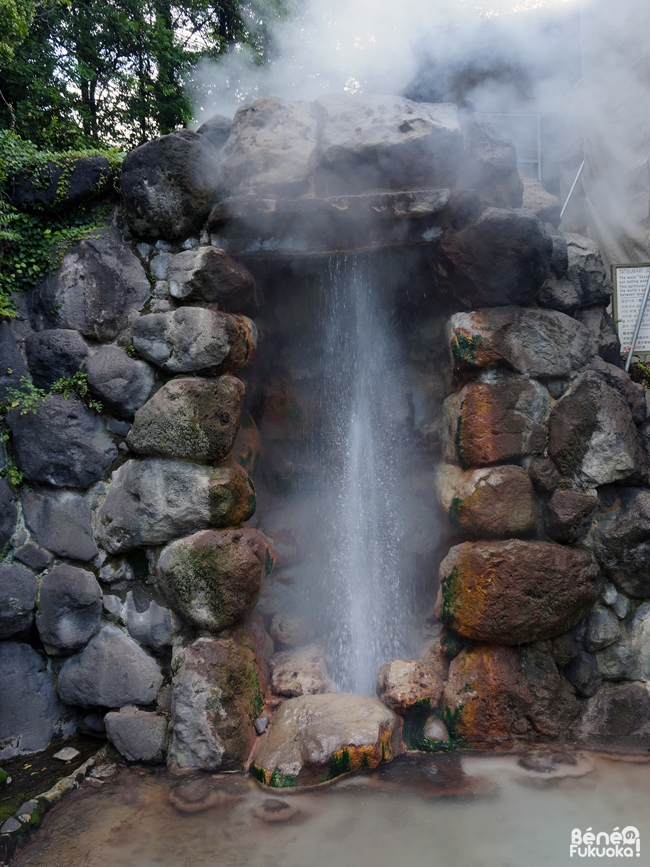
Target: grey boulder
x=17 y=599
x=300 y=672
x=536 y=199
x=216 y=129
x=55 y=353
x=154 y=500
x=211 y=275
x=98 y=284
x=12 y=365
x=192 y=338
x=169 y=184
x=190 y=418
x=60 y=521
x=8 y=513
x=137 y=735
x=622 y=542
x=592 y=436
x=148 y=622
x=62 y=443
x=603 y=332
x=587 y=272
x=619 y=714
x=111 y=671
x=602 y=630
x=69 y=609
x=31 y=715
x=121 y=383
x=629 y=658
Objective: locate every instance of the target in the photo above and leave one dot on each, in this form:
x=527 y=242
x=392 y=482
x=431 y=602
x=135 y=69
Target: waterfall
x=365 y=605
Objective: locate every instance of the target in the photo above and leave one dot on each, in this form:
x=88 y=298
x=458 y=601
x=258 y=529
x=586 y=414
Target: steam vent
x=365 y=476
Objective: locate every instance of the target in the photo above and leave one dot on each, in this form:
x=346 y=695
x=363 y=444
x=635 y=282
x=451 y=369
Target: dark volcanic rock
x=53 y=354
x=545 y=206
x=17 y=599
x=210 y=275
x=169 y=184
x=12 y=365
x=497 y=418
x=592 y=436
x=514 y=592
x=213 y=578
x=190 y=418
x=99 y=282
x=587 y=272
x=121 y=383
x=619 y=714
x=69 y=609
x=490 y=162
x=559 y=294
x=539 y=343
x=569 y=514
x=111 y=671
x=502 y=258
x=216 y=129
x=139 y=736
x=62 y=443
x=8 y=513
x=152 y=501
x=582 y=673
x=47 y=187
x=191 y=339
x=622 y=543
x=31 y=715
x=33 y=556
x=61 y=521
x=603 y=332
x=633 y=393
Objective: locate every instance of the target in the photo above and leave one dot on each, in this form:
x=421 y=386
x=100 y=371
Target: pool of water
x=457 y=810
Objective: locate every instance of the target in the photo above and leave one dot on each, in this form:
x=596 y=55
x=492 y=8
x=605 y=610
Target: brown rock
x=486 y=697
x=405 y=683
x=189 y=418
x=211 y=275
x=300 y=672
x=213 y=578
x=569 y=514
x=495 y=502
x=514 y=592
x=247 y=445
x=316 y=738
x=287 y=630
x=543 y=474
x=555 y=706
x=499 y=417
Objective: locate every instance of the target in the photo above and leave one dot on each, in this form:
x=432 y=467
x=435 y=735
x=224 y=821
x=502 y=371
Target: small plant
x=78 y=385
x=12 y=472
x=29 y=396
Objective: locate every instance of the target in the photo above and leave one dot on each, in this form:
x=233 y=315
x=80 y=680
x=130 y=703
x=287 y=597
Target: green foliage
x=31 y=244
x=640 y=372
x=29 y=396
x=16 y=17
x=12 y=472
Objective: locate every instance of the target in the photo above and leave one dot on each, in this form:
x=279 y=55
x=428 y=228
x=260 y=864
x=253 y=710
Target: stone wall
x=131 y=564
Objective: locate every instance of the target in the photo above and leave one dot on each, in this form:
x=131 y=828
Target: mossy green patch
x=447 y=593
x=466 y=348
x=278 y=780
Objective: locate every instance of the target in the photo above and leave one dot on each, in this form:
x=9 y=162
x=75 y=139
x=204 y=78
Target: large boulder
x=370 y=142
x=316 y=738
x=497 y=418
x=169 y=184
x=604 y=333
x=60 y=521
x=618 y=714
x=216 y=129
x=629 y=657
x=98 y=284
x=31 y=715
x=536 y=199
x=54 y=354
x=111 y=671
x=585 y=269
x=622 y=542
x=514 y=592
x=539 y=343
x=12 y=364
x=152 y=501
x=121 y=383
x=137 y=735
x=211 y=275
x=8 y=513
x=489 y=164
x=213 y=578
x=190 y=418
x=61 y=443
x=493 y=502
x=17 y=599
x=216 y=696
x=61 y=184
x=192 y=338
x=69 y=609
x=502 y=258
x=148 y=622
x=271 y=149
x=300 y=672
x=592 y=435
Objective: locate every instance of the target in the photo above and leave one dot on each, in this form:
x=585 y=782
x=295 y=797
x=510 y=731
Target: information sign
x=630 y=282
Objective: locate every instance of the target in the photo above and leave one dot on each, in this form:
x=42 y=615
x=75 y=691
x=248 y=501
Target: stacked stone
x=126 y=563
x=544 y=467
